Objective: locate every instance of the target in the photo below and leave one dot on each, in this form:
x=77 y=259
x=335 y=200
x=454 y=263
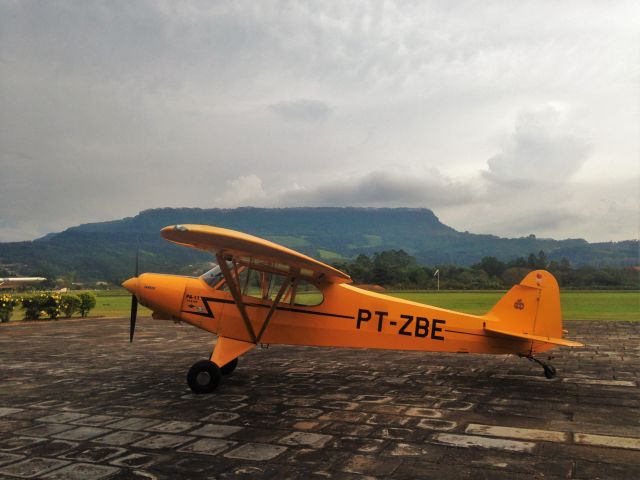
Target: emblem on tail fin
x=519 y=304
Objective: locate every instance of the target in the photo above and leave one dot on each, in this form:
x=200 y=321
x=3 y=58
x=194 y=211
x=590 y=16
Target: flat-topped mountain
x=106 y=250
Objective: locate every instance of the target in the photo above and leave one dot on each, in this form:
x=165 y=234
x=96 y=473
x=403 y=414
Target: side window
x=252 y=285
x=307 y=294
x=275 y=286
x=263 y=285
x=266 y=285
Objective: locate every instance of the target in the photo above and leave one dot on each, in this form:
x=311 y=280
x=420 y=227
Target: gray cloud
x=302 y=110
x=384 y=188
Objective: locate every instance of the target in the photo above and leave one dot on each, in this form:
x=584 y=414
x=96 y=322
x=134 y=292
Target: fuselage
x=346 y=317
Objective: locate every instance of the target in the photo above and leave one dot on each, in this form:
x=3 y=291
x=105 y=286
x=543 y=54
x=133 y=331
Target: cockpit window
x=213 y=276
x=265 y=285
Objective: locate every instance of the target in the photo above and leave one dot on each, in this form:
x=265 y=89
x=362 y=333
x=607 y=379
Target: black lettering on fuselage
x=381 y=315
x=363 y=316
x=435 y=329
x=422 y=327
x=403 y=329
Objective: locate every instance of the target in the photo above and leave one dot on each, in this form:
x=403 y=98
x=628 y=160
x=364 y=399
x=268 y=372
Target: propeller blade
x=134 y=299
x=134 y=314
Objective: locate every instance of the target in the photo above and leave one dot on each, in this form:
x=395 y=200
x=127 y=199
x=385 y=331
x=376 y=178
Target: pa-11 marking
x=264 y=293
x=416 y=326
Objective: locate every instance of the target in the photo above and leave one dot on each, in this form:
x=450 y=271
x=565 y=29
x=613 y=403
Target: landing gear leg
x=229 y=367
x=549 y=370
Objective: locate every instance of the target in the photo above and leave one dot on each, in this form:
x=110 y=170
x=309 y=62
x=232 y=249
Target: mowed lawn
x=110 y=304
x=576 y=305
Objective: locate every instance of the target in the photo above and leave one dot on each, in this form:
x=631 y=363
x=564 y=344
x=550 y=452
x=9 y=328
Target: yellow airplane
x=263 y=293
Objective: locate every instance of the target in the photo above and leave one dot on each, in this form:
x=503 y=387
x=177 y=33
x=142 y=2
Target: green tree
x=514 y=275
x=491 y=265
x=361 y=269
x=391 y=267
x=542 y=260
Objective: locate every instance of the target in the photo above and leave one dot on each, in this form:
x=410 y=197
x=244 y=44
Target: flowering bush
x=7 y=304
x=70 y=304
x=87 y=302
x=51 y=305
x=42 y=305
x=33 y=306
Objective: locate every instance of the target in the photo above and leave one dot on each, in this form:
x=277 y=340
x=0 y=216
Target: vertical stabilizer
x=532 y=307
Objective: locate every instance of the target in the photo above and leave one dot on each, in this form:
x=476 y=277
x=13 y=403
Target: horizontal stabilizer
x=537 y=338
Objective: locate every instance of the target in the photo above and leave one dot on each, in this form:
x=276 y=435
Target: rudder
x=532 y=307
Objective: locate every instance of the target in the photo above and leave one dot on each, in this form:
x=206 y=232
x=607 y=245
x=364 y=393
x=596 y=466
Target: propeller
x=134 y=302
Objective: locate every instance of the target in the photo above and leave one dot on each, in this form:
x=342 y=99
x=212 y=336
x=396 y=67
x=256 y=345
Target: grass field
x=576 y=305
x=116 y=305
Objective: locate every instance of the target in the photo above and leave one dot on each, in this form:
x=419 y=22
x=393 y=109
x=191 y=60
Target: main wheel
x=204 y=377
x=229 y=367
x=549 y=371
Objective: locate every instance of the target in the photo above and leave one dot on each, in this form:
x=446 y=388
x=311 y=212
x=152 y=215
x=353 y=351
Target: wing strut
x=233 y=288
x=283 y=289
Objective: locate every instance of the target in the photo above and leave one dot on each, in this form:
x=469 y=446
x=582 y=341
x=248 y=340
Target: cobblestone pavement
x=77 y=401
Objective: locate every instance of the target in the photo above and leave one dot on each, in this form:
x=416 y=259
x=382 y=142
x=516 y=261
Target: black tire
x=229 y=367
x=204 y=377
x=549 y=371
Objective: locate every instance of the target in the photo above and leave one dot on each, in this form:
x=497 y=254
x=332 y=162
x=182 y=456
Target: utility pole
x=437 y=274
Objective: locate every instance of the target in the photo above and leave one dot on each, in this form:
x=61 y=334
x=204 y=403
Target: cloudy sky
x=502 y=117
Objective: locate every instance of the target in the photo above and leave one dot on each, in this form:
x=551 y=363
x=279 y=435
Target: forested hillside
x=105 y=251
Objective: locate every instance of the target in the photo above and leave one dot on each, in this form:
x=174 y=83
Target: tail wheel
x=229 y=367
x=204 y=377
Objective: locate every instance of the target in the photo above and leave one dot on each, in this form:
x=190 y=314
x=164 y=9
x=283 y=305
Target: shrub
x=33 y=306
x=70 y=304
x=87 y=302
x=51 y=305
x=7 y=304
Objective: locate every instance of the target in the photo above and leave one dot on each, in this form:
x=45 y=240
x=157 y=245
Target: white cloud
x=245 y=190
x=542 y=149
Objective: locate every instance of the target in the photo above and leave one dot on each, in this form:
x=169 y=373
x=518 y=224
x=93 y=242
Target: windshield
x=213 y=276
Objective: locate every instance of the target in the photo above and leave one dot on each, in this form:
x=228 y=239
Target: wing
x=250 y=250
